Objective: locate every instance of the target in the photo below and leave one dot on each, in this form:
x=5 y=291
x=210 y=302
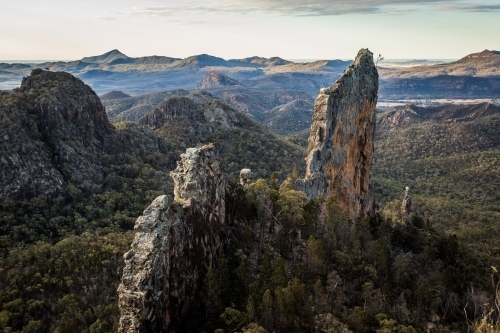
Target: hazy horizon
x=292 y=29
x=41 y=61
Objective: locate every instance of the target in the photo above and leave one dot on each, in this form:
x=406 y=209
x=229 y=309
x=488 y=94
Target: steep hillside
x=441 y=86
x=199 y=118
x=481 y=64
x=252 y=102
x=58 y=145
x=450 y=158
x=216 y=79
x=113 y=95
x=135 y=107
x=290 y=118
x=72 y=184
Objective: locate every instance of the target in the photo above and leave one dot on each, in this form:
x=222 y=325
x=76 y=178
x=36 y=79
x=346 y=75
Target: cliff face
x=55 y=131
x=25 y=161
x=53 y=125
x=339 y=156
x=176 y=240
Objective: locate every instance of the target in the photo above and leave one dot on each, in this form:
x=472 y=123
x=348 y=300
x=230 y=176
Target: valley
x=109 y=151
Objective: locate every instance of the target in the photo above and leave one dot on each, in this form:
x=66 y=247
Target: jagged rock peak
x=194 y=175
x=406 y=205
x=216 y=79
x=51 y=134
x=66 y=107
x=175 y=242
x=199 y=112
x=339 y=155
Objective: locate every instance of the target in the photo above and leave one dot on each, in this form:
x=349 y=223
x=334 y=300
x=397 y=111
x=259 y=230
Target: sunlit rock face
x=175 y=241
x=339 y=156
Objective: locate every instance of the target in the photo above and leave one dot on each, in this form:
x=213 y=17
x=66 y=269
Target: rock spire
x=175 y=241
x=406 y=205
x=339 y=156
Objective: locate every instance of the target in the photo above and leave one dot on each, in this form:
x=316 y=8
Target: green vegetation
x=291 y=265
x=453 y=169
x=242 y=142
x=69 y=286
x=287 y=271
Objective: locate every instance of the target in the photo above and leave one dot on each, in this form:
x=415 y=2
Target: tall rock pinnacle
x=175 y=241
x=406 y=205
x=339 y=156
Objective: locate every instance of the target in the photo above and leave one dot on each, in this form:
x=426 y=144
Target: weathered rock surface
x=54 y=124
x=339 y=156
x=200 y=113
x=25 y=162
x=406 y=205
x=245 y=177
x=175 y=241
x=216 y=79
x=55 y=131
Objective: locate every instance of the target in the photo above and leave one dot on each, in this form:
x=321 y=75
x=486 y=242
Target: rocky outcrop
x=216 y=79
x=53 y=127
x=26 y=164
x=245 y=177
x=175 y=241
x=195 y=115
x=55 y=134
x=339 y=156
x=406 y=205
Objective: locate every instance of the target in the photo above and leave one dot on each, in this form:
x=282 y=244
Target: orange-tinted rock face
x=339 y=156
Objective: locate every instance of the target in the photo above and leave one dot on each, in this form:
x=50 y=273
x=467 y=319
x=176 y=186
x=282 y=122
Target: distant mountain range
x=475 y=76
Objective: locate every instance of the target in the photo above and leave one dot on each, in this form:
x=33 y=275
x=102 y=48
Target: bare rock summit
x=216 y=79
x=339 y=155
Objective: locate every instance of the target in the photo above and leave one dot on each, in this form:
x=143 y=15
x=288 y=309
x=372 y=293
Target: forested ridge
x=291 y=265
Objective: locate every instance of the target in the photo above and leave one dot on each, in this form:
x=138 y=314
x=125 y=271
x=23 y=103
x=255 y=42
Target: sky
x=291 y=29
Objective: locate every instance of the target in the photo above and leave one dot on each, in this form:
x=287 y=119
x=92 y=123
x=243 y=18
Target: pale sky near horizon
x=291 y=29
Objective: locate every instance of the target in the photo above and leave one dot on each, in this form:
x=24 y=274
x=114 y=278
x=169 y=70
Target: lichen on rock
x=175 y=241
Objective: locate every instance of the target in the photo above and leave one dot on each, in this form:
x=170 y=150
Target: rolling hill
x=450 y=157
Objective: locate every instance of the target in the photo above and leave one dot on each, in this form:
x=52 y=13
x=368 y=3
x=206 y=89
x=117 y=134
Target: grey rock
x=245 y=177
x=406 y=205
x=175 y=241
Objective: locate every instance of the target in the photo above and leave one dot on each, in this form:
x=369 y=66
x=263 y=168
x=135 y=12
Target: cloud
x=293 y=8
x=330 y=7
x=475 y=7
x=182 y=15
